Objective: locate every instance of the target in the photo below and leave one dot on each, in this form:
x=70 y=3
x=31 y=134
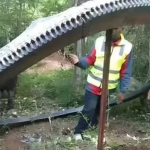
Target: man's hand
x=72 y=58
x=120 y=98
x=148 y=97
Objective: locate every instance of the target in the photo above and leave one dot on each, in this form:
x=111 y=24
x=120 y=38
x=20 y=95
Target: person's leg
x=10 y=104
x=90 y=103
x=95 y=118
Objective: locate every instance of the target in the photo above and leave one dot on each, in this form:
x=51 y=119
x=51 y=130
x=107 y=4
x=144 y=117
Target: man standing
x=120 y=71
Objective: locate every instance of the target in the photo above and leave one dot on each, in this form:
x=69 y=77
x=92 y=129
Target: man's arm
x=125 y=73
x=85 y=62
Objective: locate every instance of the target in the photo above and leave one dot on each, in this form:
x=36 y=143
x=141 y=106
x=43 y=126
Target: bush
x=55 y=85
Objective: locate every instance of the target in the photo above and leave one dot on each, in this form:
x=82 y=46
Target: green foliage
x=53 y=85
x=55 y=6
x=139 y=37
x=54 y=146
x=16 y=15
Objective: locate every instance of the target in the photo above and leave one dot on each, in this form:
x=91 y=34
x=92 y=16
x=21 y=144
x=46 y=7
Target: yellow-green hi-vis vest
x=118 y=55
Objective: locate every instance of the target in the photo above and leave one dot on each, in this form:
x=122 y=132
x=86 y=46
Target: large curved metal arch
x=47 y=35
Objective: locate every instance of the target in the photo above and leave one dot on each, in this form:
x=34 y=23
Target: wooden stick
x=104 y=89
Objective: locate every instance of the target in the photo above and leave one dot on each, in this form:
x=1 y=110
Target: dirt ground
x=55 y=61
x=119 y=134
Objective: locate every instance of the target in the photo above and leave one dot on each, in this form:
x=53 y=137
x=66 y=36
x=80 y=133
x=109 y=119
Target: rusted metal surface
x=104 y=94
x=47 y=35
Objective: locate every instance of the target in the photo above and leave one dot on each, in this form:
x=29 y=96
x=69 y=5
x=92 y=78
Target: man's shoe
x=78 y=137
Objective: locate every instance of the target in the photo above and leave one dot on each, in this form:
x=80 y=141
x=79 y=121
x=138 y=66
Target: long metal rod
x=104 y=94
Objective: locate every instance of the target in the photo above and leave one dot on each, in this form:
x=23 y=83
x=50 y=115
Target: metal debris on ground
x=132 y=137
x=29 y=139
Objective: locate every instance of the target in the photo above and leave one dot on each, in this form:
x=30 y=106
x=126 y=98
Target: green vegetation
x=51 y=91
x=56 y=86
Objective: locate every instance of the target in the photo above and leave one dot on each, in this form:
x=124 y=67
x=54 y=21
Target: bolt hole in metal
x=115 y=5
x=15 y=56
x=128 y=3
x=68 y=25
x=112 y=5
x=98 y=10
x=53 y=33
x=133 y=4
x=121 y=4
x=33 y=44
x=28 y=47
x=73 y=21
x=84 y=17
x=43 y=38
x=63 y=27
x=19 y=53
x=6 y=61
x=108 y=8
x=93 y=11
x=39 y=41
x=24 y=51
x=118 y=4
x=88 y=17
x=11 y=60
x=78 y=18
x=136 y=2
x=48 y=36
x=10 y=57
x=58 y=30
x=88 y=14
x=103 y=9
x=107 y=5
x=2 y=66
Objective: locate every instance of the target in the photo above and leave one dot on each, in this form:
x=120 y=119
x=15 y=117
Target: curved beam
x=47 y=35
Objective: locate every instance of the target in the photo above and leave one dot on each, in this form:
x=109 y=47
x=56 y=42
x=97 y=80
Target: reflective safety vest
x=118 y=55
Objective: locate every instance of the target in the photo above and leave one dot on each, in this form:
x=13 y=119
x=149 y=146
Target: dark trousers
x=90 y=112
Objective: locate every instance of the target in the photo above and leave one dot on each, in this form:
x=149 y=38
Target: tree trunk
x=149 y=59
x=78 y=71
x=80 y=51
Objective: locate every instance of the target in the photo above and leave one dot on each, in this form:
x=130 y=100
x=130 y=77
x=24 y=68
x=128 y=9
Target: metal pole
x=104 y=94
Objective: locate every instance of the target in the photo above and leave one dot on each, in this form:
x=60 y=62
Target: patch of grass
x=55 y=85
x=61 y=145
x=131 y=109
x=54 y=146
